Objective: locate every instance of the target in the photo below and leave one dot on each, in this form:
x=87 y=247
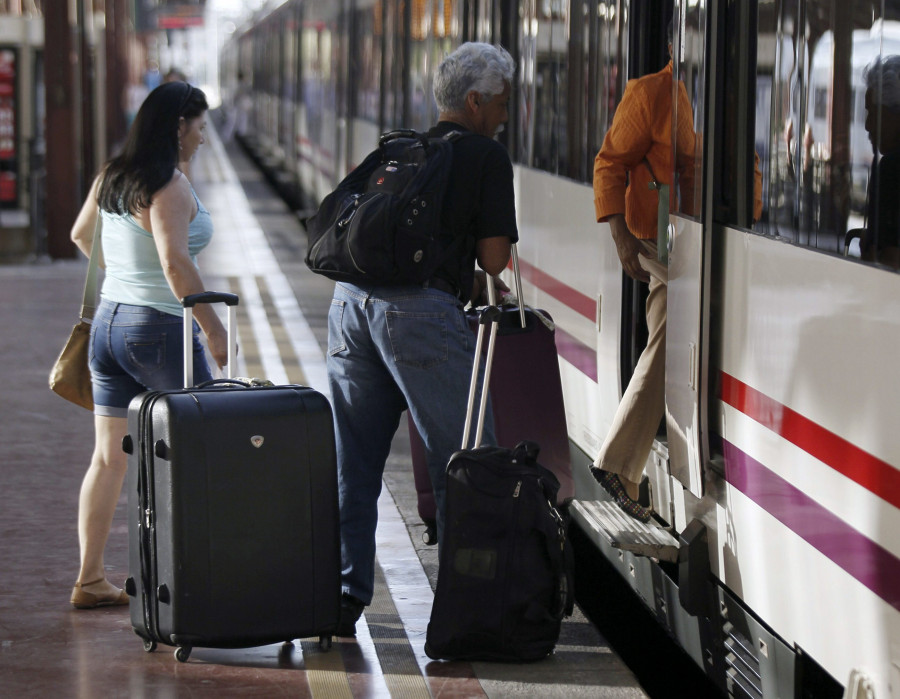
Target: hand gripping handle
x=188 y=302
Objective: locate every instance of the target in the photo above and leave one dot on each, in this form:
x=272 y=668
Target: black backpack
x=382 y=224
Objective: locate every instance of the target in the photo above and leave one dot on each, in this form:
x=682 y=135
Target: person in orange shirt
x=637 y=149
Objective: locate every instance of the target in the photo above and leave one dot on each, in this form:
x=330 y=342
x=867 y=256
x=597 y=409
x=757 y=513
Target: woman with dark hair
x=153 y=227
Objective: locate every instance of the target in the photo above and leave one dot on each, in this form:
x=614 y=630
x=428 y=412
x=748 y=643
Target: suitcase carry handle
x=210 y=297
x=224 y=382
x=188 y=302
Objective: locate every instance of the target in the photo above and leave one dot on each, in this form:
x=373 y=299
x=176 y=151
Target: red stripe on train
x=572 y=298
x=870 y=472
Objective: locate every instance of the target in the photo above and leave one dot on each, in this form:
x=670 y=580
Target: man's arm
x=493 y=254
x=496 y=220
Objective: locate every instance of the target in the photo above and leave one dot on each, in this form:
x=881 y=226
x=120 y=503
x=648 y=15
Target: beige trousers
x=637 y=419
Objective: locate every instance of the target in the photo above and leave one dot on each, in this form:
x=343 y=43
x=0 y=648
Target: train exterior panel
x=779 y=469
x=809 y=448
x=584 y=299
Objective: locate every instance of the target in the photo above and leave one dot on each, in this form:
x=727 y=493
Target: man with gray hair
x=393 y=348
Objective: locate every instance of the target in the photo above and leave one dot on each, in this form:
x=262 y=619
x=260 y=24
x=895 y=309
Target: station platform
x=47 y=648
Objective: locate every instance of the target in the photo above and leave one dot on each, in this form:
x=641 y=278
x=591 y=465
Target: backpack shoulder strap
x=455 y=135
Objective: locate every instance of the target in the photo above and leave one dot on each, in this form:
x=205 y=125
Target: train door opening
x=688 y=254
x=647 y=54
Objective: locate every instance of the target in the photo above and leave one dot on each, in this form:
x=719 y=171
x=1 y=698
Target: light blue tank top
x=134 y=273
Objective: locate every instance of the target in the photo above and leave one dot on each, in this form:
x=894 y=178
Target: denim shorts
x=136 y=349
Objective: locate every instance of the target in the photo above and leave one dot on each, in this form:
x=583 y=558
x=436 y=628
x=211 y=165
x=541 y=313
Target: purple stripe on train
x=577 y=353
x=871 y=564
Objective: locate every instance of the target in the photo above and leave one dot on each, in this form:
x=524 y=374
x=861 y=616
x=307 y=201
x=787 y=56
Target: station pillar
x=63 y=126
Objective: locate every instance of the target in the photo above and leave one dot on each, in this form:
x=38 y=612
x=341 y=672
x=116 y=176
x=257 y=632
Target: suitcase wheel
x=182 y=653
x=429 y=536
x=325 y=643
x=149 y=646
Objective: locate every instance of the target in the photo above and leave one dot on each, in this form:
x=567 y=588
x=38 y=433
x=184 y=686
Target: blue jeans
x=136 y=349
x=390 y=348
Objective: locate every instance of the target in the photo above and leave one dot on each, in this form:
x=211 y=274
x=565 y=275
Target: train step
x=626 y=533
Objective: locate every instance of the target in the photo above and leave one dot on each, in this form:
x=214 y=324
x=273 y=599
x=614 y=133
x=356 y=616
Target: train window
x=735 y=188
x=446 y=27
x=289 y=62
x=569 y=82
x=605 y=80
x=431 y=33
x=368 y=26
x=419 y=96
x=809 y=123
x=689 y=65
x=485 y=16
x=579 y=156
x=401 y=68
x=523 y=94
x=392 y=82
x=549 y=79
x=317 y=108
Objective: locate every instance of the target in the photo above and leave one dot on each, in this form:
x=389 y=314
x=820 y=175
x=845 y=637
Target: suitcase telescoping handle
x=518 y=277
x=230 y=300
x=489 y=316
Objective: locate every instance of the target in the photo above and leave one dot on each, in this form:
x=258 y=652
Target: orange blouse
x=642 y=128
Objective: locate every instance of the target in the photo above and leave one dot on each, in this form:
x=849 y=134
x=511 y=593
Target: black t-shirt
x=479 y=203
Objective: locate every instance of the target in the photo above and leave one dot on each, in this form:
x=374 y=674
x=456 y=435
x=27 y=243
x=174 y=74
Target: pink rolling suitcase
x=530 y=409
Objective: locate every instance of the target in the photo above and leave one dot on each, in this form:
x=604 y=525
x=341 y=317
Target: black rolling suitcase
x=505 y=577
x=233 y=512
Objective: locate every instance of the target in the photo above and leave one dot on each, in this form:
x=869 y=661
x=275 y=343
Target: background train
x=778 y=470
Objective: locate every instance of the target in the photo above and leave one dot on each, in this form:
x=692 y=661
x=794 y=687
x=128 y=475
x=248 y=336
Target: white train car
x=777 y=476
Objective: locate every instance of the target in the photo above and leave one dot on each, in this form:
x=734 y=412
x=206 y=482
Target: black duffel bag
x=505 y=578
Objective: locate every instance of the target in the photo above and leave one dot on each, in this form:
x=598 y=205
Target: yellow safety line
x=325 y=671
x=248 y=348
x=289 y=359
x=395 y=654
